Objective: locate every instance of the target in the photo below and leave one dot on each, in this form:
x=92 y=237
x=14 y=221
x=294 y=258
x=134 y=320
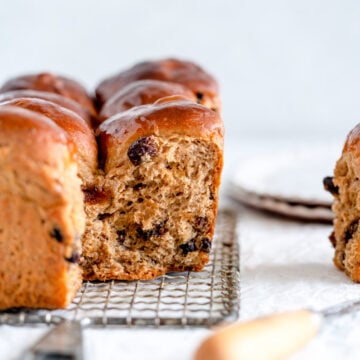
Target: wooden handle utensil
x=267 y=338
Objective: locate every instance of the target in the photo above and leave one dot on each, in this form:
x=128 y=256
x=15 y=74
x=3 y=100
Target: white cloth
x=284 y=265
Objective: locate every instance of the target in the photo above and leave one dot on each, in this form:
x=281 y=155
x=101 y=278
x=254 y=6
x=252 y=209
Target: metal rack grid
x=175 y=300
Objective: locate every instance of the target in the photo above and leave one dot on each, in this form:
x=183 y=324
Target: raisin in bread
x=345 y=187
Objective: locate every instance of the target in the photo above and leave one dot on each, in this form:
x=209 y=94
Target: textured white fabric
x=284 y=265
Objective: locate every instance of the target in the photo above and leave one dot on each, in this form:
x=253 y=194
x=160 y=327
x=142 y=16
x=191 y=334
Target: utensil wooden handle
x=266 y=338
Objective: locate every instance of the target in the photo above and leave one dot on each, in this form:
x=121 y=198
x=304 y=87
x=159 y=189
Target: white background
x=287 y=68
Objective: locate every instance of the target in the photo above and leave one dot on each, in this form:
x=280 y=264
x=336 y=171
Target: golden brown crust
x=142 y=92
x=186 y=73
x=35 y=192
x=119 y=132
x=51 y=83
x=15 y=120
x=55 y=98
x=76 y=128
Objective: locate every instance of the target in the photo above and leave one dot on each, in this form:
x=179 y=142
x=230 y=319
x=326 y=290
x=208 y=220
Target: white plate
x=292 y=176
x=280 y=207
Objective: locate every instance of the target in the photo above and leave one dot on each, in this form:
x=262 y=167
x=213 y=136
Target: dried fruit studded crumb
x=330 y=186
x=205 y=244
x=142 y=148
x=188 y=247
x=57 y=234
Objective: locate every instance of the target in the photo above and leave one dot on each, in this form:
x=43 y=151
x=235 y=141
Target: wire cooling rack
x=185 y=299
